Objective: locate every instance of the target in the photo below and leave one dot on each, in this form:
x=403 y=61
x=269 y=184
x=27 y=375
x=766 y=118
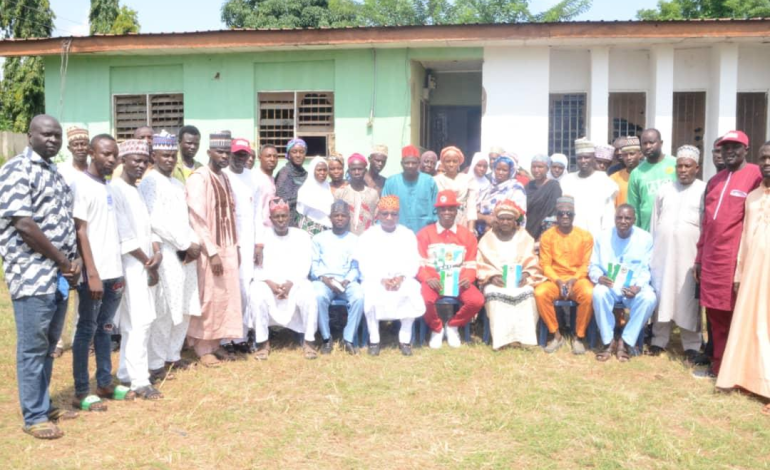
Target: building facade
x=529 y=88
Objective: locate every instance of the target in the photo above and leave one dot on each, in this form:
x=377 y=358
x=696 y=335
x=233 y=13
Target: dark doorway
x=459 y=126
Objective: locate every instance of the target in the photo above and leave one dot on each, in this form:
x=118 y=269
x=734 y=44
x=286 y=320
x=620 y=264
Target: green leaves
x=108 y=17
x=696 y=9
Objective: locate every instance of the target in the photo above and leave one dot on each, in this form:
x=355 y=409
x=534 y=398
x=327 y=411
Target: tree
x=108 y=17
x=337 y=13
x=695 y=9
x=22 y=91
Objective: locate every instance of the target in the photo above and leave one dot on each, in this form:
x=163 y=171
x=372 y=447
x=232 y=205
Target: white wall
x=570 y=71
x=629 y=70
x=516 y=81
x=754 y=68
x=692 y=69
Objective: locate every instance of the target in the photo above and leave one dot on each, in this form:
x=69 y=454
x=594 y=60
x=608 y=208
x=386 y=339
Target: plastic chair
x=421 y=328
x=592 y=334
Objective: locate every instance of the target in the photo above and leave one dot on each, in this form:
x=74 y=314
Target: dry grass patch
x=468 y=408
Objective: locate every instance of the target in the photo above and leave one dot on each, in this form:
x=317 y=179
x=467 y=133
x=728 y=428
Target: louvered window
x=160 y=111
x=308 y=115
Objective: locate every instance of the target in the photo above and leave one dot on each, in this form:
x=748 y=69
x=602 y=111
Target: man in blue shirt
x=417 y=192
x=335 y=275
x=620 y=268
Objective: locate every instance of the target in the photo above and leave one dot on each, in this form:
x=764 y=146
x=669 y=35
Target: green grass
x=467 y=408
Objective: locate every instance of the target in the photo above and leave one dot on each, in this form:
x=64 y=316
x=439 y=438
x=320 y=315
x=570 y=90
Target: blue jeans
x=39 y=322
x=642 y=306
x=354 y=295
x=95 y=324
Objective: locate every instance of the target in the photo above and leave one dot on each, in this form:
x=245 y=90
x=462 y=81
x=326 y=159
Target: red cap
x=410 y=151
x=734 y=136
x=447 y=198
x=239 y=145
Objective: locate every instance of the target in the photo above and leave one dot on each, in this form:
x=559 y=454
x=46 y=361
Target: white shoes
x=436 y=338
x=453 y=337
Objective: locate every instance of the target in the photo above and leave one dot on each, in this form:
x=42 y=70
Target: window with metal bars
x=628 y=114
x=159 y=111
x=689 y=119
x=566 y=123
x=751 y=118
x=308 y=115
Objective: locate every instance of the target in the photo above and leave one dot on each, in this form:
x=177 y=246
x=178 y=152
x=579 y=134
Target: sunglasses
x=563 y=213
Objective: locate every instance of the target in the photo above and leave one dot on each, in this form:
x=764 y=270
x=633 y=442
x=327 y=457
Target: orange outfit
x=564 y=257
x=621 y=178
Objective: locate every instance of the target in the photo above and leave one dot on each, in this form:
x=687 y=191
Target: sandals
x=181 y=364
x=45 y=430
x=622 y=353
x=210 y=360
x=263 y=351
x=223 y=355
x=309 y=350
x=159 y=375
x=113 y=392
x=605 y=354
x=148 y=392
x=57 y=414
x=89 y=403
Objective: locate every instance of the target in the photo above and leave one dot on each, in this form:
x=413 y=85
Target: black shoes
x=326 y=347
x=349 y=348
x=374 y=349
x=406 y=349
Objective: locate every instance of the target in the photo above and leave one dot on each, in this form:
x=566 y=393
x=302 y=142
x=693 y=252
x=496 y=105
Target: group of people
x=169 y=251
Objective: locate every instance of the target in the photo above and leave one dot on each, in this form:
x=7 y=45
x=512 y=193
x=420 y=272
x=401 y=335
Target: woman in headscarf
x=462 y=184
x=521 y=175
x=478 y=169
x=558 y=166
x=428 y=162
x=336 y=173
x=315 y=199
x=508 y=271
x=542 y=194
x=291 y=176
x=503 y=186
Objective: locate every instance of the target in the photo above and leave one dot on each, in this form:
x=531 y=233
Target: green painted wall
x=373 y=89
x=457 y=89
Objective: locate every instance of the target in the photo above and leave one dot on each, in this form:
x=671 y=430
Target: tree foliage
x=108 y=17
x=22 y=91
x=696 y=9
x=340 y=13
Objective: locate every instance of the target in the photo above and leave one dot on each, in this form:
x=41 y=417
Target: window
x=751 y=118
x=160 y=111
x=308 y=115
x=627 y=114
x=566 y=123
x=689 y=120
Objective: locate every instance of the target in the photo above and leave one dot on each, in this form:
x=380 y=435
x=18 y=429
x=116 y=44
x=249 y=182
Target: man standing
x=675 y=227
x=248 y=223
x=631 y=154
x=620 y=268
x=263 y=178
x=377 y=160
x=144 y=133
x=102 y=288
x=335 y=275
x=38 y=249
x=449 y=251
x=416 y=191
x=212 y=216
x=654 y=172
x=746 y=361
x=388 y=259
x=716 y=156
x=593 y=191
x=720 y=238
x=281 y=293
x=565 y=252
x=604 y=155
x=77 y=144
x=361 y=198
x=165 y=198
x=141 y=258
x=189 y=139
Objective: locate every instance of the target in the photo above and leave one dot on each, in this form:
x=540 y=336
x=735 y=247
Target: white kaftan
x=594 y=200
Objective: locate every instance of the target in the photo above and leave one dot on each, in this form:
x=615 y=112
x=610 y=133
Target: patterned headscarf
x=388 y=203
x=133 y=147
x=605 y=152
x=295 y=142
x=505 y=159
x=165 y=141
x=507 y=206
x=456 y=150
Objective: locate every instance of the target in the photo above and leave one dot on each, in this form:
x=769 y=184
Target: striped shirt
x=31 y=187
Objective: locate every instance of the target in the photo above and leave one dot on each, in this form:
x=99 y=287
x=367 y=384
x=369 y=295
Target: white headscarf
x=559 y=159
x=483 y=181
x=315 y=199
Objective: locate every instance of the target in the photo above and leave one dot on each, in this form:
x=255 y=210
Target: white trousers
x=404 y=334
x=166 y=340
x=661 y=333
x=298 y=313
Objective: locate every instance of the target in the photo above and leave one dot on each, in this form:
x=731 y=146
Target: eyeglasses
x=563 y=213
x=388 y=214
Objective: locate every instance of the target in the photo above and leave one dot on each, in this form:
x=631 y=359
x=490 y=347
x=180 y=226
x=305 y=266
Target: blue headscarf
x=294 y=142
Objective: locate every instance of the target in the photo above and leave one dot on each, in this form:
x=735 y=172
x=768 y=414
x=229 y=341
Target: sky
x=156 y=16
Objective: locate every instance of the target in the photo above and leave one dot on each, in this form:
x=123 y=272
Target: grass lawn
x=467 y=408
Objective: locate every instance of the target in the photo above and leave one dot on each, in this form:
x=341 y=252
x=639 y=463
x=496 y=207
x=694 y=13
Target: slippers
x=210 y=360
x=56 y=414
x=148 y=392
x=89 y=403
x=45 y=430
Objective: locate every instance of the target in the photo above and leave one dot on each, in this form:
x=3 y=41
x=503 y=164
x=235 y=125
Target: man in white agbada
x=141 y=257
x=281 y=294
x=177 y=297
x=388 y=260
x=248 y=225
x=676 y=227
x=594 y=192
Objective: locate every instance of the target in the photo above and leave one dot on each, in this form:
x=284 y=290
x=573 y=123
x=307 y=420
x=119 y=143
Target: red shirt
x=446 y=248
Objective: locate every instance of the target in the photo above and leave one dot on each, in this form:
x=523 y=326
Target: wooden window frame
x=300 y=129
x=148 y=121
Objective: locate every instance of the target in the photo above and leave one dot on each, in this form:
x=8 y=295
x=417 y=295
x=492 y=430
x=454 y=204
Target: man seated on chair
x=281 y=293
x=620 y=268
x=335 y=276
x=448 y=269
x=388 y=260
x=565 y=253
